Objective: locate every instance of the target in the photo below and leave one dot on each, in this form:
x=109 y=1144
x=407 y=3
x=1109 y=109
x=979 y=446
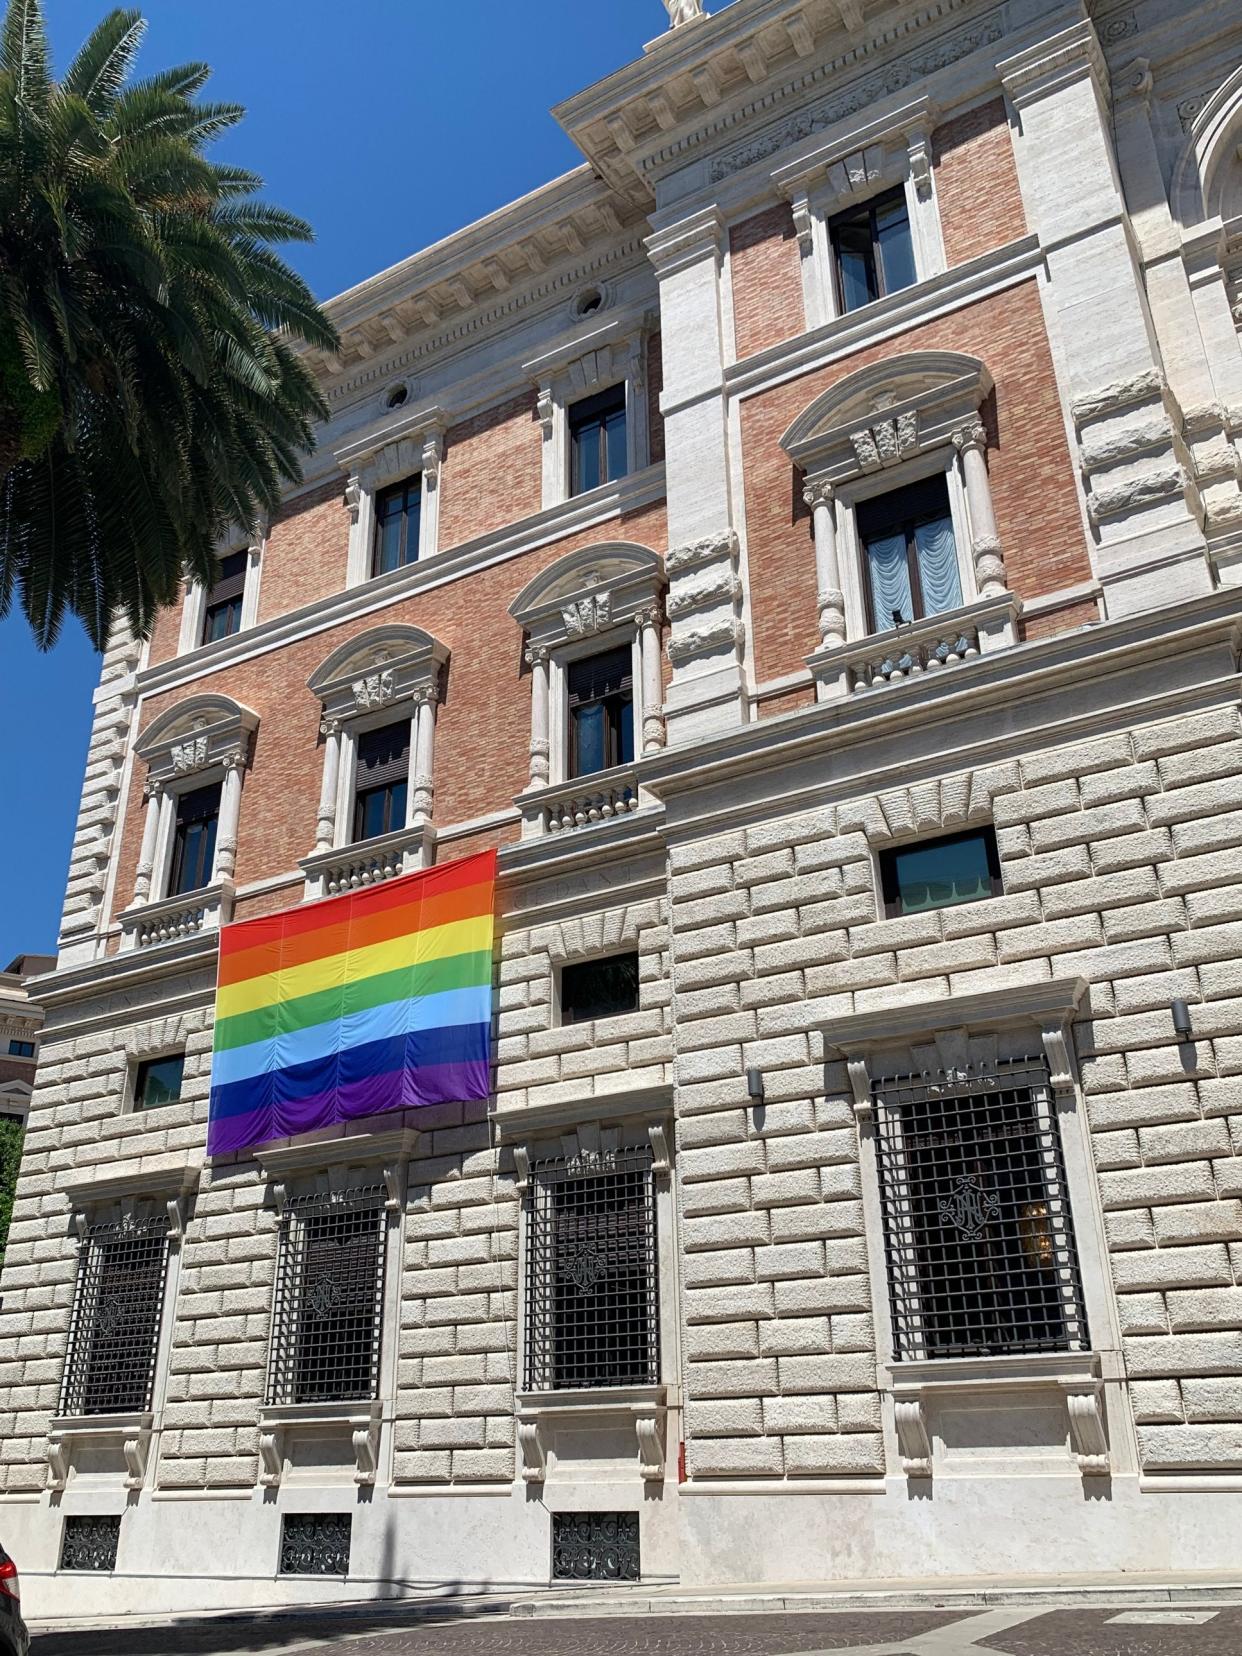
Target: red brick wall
x=165 y=633
x=1031 y=472
x=1069 y=619
x=307 y=550
x=977 y=183
x=492 y=472
x=767 y=281
x=483 y=724
x=655 y=385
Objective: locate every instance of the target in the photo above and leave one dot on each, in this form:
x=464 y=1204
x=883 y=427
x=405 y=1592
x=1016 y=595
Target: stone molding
x=205 y=733
x=279 y=1421
x=389 y=665
x=644 y=1407
x=389 y=1149
x=587 y=1125
x=924 y=808
x=162 y=1035
x=606 y=585
x=131 y=1433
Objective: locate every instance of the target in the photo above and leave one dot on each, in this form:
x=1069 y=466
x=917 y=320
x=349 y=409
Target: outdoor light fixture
x=754 y=1085
x=1181 y=1021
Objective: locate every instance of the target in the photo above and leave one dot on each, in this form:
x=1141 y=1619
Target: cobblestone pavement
x=1158 y=1631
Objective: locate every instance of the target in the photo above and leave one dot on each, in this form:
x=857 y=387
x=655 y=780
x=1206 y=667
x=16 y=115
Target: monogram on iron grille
x=586 y=1268
x=323 y=1296
x=970 y=1209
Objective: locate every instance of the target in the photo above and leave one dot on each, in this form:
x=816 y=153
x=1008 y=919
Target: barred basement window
x=978 y=1233
x=595 y=1546
x=315 y=1543
x=114 y=1326
x=90 y=1543
x=327 y=1318
x=592 y=1282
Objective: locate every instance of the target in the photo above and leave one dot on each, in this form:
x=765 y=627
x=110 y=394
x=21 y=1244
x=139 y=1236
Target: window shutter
x=200 y=805
x=232 y=579
x=600 y=675
x=383 y=756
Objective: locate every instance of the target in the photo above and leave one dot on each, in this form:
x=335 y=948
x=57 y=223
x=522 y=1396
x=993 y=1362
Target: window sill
x=132 y=1431
x=173 y=919
x=360 y=1419
x=920 y=650
x=645 y=1408
x=1076 y=1375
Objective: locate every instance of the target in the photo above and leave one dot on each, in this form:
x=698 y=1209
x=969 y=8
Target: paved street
x=1158 y=1631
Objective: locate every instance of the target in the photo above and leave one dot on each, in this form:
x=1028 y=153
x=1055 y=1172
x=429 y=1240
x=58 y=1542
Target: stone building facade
x=805 y=541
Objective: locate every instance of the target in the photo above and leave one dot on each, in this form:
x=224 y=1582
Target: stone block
x=1192 y=1223
x=1153 y=1186
x=1191 y=1446
x=718 y=1342
x=1212 y=1400
x=795 y=1337
x=827 y=1374
x=1156 y=1402
x=1191 y=1309
x=808 y=1413
x=783 y=1261
x=1184 y=1141
x=1165 y=1268
x=756 y=1378
x=737 y=1457
x=1197 y=1355
x=1131 y=850
x=769 y=1190
x=729 y=1418
x=1197 y=801
x=746 y=1302
x=858 y=1454
x=722 y=1266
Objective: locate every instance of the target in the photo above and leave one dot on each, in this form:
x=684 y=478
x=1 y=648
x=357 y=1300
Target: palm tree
x=151 y=395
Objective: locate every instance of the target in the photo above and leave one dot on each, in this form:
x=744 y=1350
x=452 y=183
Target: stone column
x=153 y=793
x=971 y=443
x=325 y=822
x=819 y=497
x=537 y=658
x=230 y=815
x=653 y=686
x=422 y=793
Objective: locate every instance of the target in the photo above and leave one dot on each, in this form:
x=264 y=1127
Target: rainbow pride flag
x=380 y=1000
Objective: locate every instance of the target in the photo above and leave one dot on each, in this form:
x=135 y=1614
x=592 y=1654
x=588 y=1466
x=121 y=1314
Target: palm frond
x=101 y=67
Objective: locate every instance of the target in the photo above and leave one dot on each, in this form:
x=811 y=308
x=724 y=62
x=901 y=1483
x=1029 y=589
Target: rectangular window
x=315 y=1543
x=223 y=610
x=398 y=514
x=158 y=1081
x=194 y=840
x=595 y=1546
x=910 y=553
x=21 y=1049
x=592 y=1276
x=601 y=711
x=599 y=988
x=977 y=1227
x=328 y=1312
x=114 y=1326
x=598 y=447
x=90 y=1542
x=940 y=873
x=381 y=780
x=872 y=250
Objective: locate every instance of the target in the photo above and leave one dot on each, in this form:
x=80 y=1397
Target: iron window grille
x=592 y=1273
x=599 y=988
x=315 y=1543
x=398 y=517
x=223 y=609
x=600 y=695
x=194 y=840
x=595 y=1546
x=872 y=250
x=89 y=1542
x=328 y=1310
x=598 y=444
x=978 y=1234
x=114 y=1325
x=381 y=780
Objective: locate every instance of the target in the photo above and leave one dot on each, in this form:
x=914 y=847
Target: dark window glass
x=158 y=1081
x=328 y=1310
x=115 y=1321
x=592 y=1301
x=872 y=249
x=397 y=514
x=194 y=840
x=21 y=1049
x=910 y=553
x=601 y=712
x=597 y=441
x=381 y=781
x=222 y=615
x=977 y=1228
x=599 y=988
x=940 y=873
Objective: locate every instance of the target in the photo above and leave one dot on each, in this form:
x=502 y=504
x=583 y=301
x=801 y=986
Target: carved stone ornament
x=534 y=1456
x=913 y=1442
x=189 y=756
x=1088 y=1438
x=586 y=616
x=353 y=498
x=373 y=690
x=887 y=441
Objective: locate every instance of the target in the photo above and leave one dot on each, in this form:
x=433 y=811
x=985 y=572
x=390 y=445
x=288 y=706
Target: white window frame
x=559 y=661
x=194 y=605
x=411 y=445
x=591 y=360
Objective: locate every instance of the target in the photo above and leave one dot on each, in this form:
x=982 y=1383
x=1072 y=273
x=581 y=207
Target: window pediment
x=397 y=449
x=387 y=664
x=887 y=412
x=588 y=591
x=197 y=735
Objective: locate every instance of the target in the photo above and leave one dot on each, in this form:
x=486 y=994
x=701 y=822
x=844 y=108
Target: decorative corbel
x=366 y=1448
x=58 y=1461
x=280 y=1196
x=804 y=223
x=913 y=1443
x=920 y=163
x=353 y=496
x=1088 y=1438
x=858 y=1069
x=521 y=1168
x=135 y=1452
x=534 y=1454
x=1059 y=1051
x=433 y=455
x=650 y=1434
x=176 y=1216
x=661 y=1162
x=546 y=408
x=394 y=1184
x=81 y=1224
x=271 y=1454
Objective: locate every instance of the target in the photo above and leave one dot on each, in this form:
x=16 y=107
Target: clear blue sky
x=387 y=124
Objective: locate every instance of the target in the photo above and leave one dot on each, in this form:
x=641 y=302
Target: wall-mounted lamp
x=1181 y=1021
x=754 y=1085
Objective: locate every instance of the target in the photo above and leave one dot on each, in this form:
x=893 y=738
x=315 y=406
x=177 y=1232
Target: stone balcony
x=170 y=919
x=583 y=802
x=917 y=650
x=370 y=862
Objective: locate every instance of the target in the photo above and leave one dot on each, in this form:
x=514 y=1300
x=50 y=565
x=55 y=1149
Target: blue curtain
x=890 y=579
x=937 y=554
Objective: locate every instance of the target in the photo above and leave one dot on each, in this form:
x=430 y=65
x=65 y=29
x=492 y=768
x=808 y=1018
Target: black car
x=14 y=1639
